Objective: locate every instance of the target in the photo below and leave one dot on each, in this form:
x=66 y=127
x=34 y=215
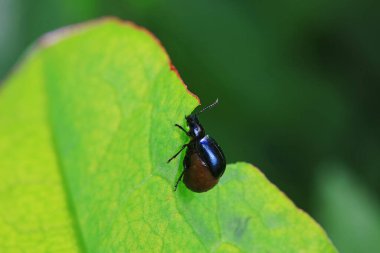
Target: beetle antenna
x=208 y=107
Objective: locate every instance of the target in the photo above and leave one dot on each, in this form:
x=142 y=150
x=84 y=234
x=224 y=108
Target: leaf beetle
x=204 y=161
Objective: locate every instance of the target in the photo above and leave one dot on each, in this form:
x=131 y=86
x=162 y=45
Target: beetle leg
x=183 y=129
x=178 y=180
x=174 y=156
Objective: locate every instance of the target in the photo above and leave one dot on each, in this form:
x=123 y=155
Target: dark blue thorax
x=212 y=155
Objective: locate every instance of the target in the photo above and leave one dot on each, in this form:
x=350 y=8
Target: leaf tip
x=256 y=171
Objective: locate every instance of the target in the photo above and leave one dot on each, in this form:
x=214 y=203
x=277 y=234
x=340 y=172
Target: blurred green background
x=298 y=84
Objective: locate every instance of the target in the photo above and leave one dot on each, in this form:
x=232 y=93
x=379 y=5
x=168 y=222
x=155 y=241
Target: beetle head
x=196 y=129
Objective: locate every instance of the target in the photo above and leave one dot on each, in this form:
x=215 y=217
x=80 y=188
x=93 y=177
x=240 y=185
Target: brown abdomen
x=197 y=176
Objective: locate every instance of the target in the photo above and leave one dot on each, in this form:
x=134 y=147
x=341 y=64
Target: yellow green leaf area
x=86 y=128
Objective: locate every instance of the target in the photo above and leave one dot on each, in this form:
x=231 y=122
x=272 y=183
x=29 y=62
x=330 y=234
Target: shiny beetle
x=204 y=161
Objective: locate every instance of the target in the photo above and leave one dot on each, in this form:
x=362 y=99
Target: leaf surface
x=87 y=127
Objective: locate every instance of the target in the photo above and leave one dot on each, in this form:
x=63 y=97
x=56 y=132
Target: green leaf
x=86 y=127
